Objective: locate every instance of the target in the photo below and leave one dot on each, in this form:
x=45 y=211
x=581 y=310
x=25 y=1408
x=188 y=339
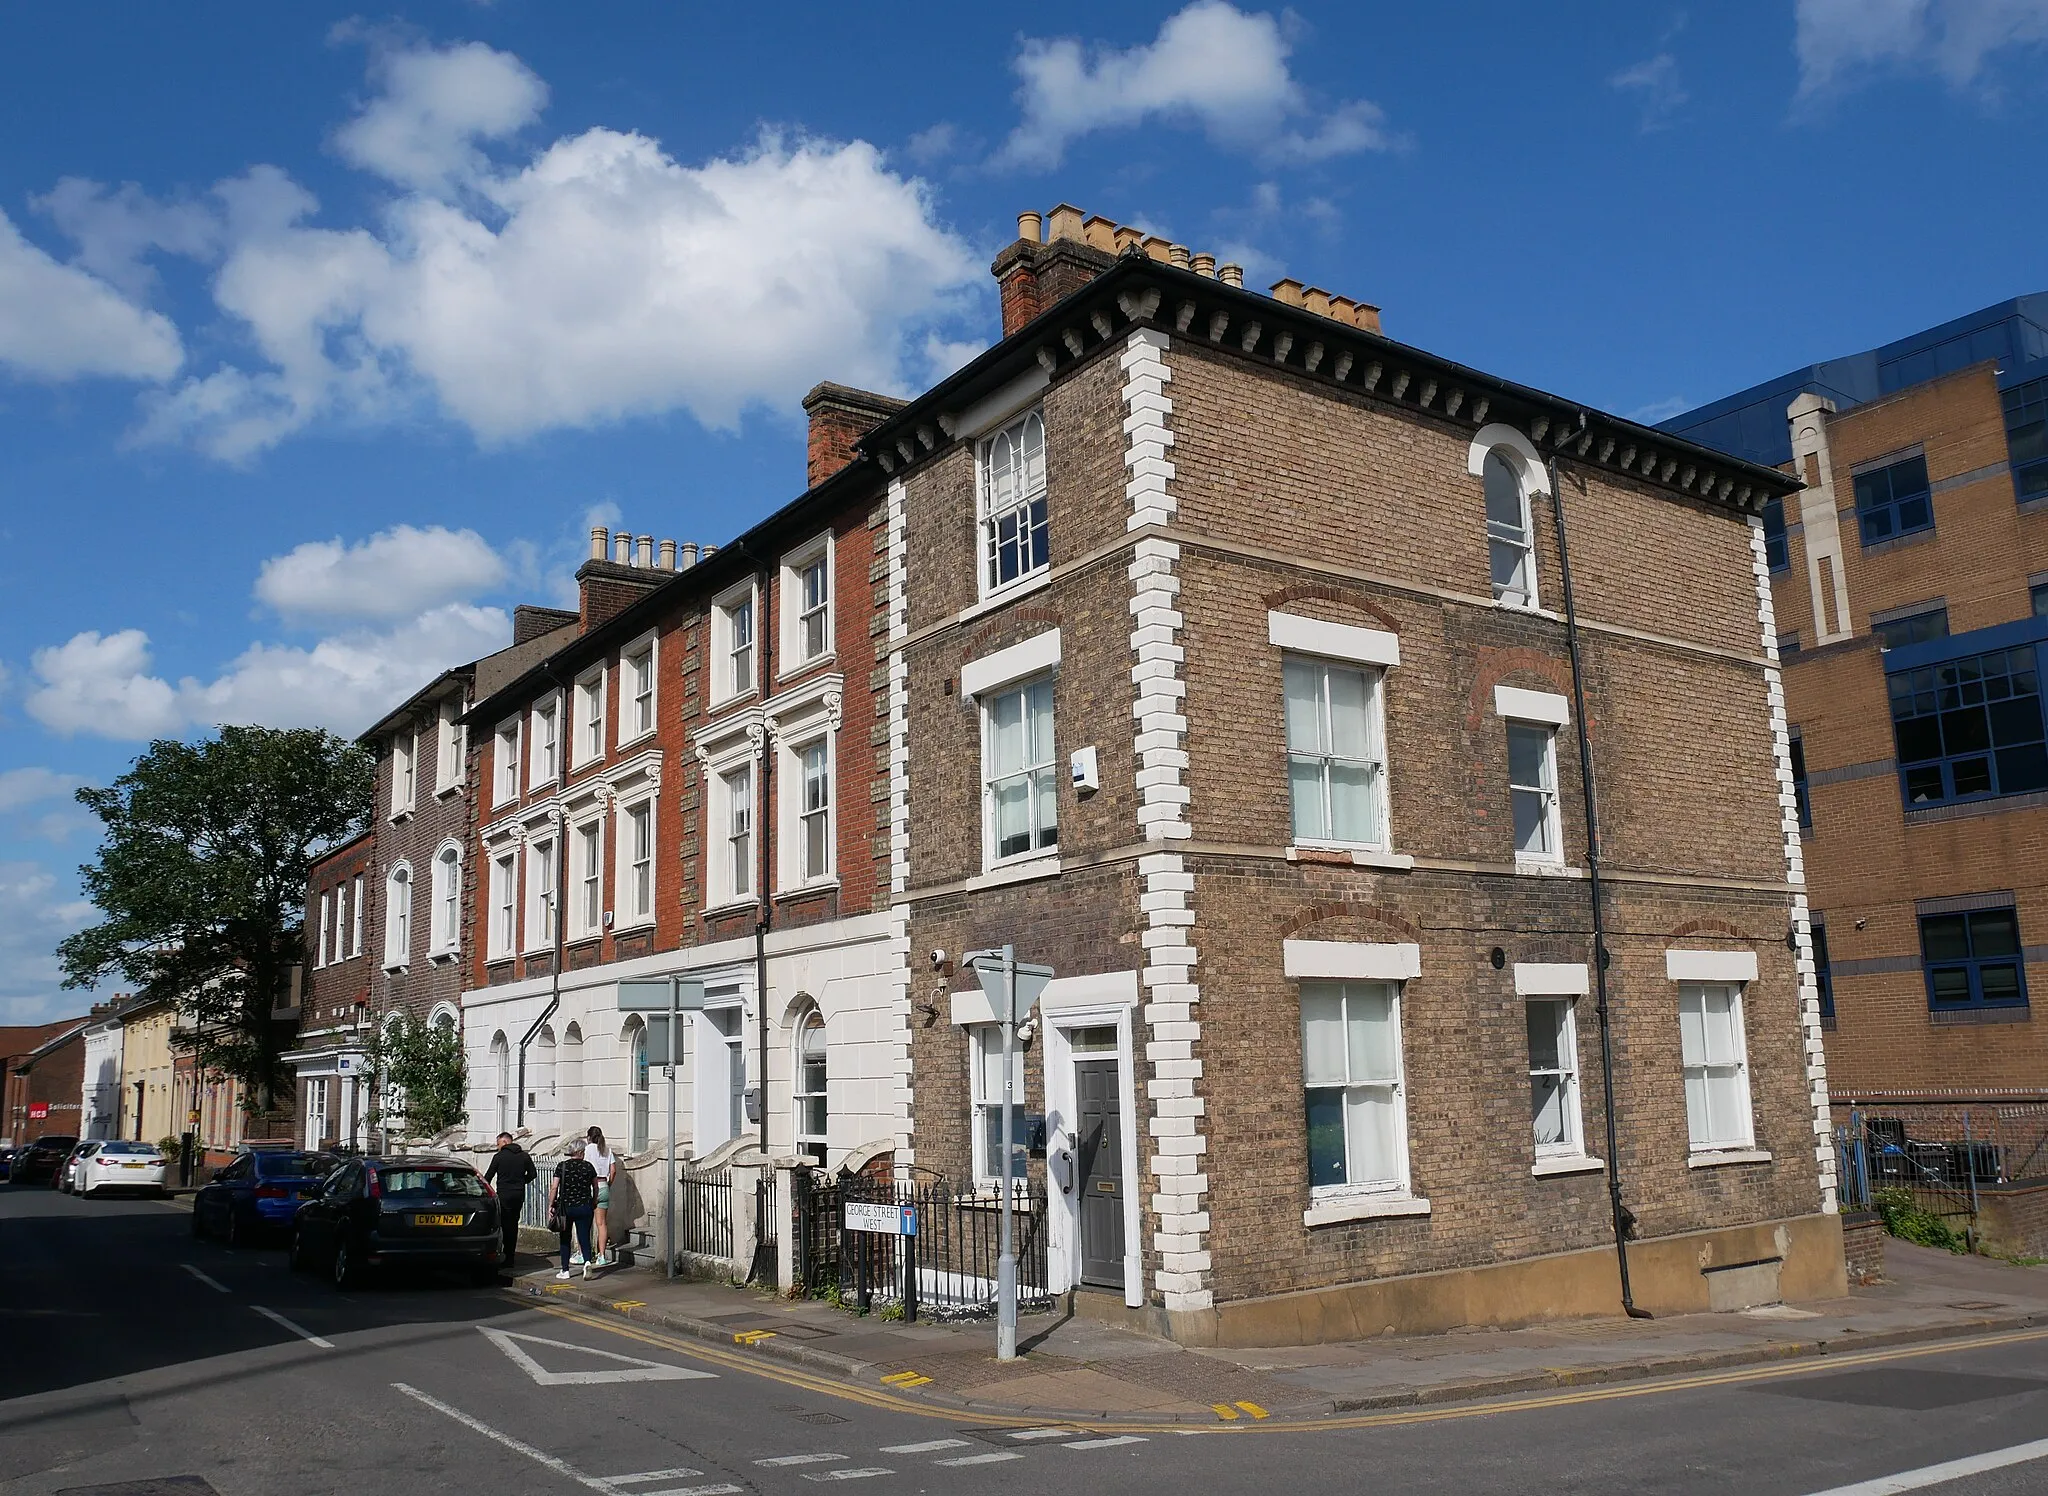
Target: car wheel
x=344 y=1270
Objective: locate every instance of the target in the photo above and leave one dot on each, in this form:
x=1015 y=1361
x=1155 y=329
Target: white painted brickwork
x=1175 y=1109
x=1795 y=874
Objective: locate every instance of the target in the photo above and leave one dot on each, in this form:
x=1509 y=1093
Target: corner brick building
x=1229 y=675
x=1911 y=583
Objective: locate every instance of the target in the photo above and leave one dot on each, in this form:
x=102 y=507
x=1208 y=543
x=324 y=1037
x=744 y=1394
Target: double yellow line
x=1258 y=1421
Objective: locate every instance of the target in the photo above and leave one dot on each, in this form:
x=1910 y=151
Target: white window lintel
x=1034 y=656
x=1710 y=966
x=1335 y=641
x=1346 y=960
x=1547 y=707
x=1551 y=979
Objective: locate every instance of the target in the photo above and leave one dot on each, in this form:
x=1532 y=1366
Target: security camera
x=938 y=959
x=1027 y=1031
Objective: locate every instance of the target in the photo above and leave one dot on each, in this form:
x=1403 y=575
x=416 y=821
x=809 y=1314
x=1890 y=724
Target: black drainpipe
x=1624 y=1220
x=564 y=717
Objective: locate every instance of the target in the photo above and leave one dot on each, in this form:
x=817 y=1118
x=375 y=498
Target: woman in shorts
x=600 y=1159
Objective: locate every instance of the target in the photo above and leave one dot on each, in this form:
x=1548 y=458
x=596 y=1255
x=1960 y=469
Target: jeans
x=510 y=1203
x=580 y=1221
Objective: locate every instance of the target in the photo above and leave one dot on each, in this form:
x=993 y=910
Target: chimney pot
x=1203 y=265
x=600 y=537
x=1064 y=222
x=622 y=548
x=1288 y=292
x=1177 y=254
x=708 y=552
x=1099 y=233
x=668 y=555
x=1124 y=236
x=1030 y=226
x=1367 y=316
x=1230 y=275
x=1317 y=300
x=1157 y=248
x=689 y=554
x=646 y=557
x=1343 y=309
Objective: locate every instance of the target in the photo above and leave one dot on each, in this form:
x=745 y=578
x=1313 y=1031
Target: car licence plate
x=437 y=1220
x=135 y=1166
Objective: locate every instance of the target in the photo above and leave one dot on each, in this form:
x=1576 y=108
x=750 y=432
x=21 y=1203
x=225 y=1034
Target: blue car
x=255 y=1197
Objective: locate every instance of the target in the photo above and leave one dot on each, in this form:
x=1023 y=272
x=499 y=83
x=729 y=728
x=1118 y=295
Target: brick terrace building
x=697 y=774
x=334 y=996
x=1911 y=580
x=1229 y=674
x=41 y=1069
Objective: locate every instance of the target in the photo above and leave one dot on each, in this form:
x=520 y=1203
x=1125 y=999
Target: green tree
x=201 y=882
x=426 y=1078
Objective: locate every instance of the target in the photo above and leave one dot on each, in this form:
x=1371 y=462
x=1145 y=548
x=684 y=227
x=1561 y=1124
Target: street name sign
x=884 y=1220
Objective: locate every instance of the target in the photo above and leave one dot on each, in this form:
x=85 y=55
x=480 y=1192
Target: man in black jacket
x=510 y=1172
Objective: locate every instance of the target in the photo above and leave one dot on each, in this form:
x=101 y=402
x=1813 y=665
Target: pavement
x=1074 y=1367
x=138 y=1361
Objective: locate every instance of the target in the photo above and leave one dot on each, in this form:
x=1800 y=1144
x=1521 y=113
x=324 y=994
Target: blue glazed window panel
x=1894 y=501
x=1776 y=550
x=2026 y=438
x=1973 y=960
x=1970 y=729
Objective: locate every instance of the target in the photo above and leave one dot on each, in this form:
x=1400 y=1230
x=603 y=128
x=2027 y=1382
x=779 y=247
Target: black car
x=39 y=1162
x=377 y=1212
x=259 y=1194
x=7 y=1153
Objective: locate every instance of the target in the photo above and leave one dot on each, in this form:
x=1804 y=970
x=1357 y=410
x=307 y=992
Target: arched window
x=569 y=1082
x=445 y=912
x=636 y=1088
x=443 y=1019
x=809 y=1090
x=1509 y=540
x=1013 y=515
x=541 y=1098
x=398 y=915
x=501 y=1072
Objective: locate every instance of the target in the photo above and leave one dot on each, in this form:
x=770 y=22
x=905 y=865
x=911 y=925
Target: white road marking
x=299 y=1330
x=1936 y=1475
x=541 y=1457
x=857 y=1473
x=798 y=1459
x=982 y=1459
x=209 y=1282
x=634 y=1369
x=691 y=1491
x=646 y=1477
x=1107 y=1443
x=930 y=1446
x=1043 y=1433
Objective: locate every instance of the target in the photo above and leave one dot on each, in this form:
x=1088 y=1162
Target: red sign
x=38 y=1110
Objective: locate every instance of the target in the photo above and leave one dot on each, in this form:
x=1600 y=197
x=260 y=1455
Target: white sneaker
x=575 y=1259
x=586 y=1272
x=562 y=1276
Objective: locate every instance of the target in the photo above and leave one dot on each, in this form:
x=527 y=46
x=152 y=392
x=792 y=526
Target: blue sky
x=324 y=336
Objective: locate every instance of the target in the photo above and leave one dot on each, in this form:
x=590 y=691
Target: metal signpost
x=1012 y=988
x=666 y=999
x=885 y=1218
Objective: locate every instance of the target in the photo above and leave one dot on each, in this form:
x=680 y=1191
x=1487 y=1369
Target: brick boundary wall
x=1863 y=1246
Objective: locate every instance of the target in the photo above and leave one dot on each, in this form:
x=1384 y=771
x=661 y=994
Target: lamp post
x=1011 y=988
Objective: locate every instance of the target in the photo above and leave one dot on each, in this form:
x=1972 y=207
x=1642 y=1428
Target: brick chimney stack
x=840 y=416
x=624 y=567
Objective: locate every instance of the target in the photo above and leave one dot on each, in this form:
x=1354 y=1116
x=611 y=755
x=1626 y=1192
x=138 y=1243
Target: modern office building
x=1910 y=582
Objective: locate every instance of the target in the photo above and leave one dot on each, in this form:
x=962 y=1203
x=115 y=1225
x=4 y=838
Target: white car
x=119 y=1165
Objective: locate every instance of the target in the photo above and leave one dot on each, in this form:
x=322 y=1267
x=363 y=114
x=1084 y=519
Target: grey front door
x=1099 y=1172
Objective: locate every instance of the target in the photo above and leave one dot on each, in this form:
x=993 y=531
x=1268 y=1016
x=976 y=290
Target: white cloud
x=396 y=573
x=1211 y=64
x=1656 y=86
x=595 y=280
x=32 y=785
x=115 y=227
x=1661 y=410
x=40 y=912
x=61 y=322
x=1839 y=41
x=421 y=131
x=103 y=685
x=100 y=684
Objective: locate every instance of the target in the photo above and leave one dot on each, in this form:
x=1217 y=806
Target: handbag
x=557 y=1222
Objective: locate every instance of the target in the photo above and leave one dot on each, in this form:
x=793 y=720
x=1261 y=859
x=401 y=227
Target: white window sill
x=639 y=737
x=400 y=817
x=1008 y=593
x=1566 y=1163
x=1399 y=862
x=803 y=667
x=637 y=922
x=1338 y=1208
x=730 y=906
x=444 y=791
x=719 y=704
x=444 y=956
x=392 y=968
x=814 y=885
x=1543 y=867
x=1716 y=1158
x=1027 y=870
